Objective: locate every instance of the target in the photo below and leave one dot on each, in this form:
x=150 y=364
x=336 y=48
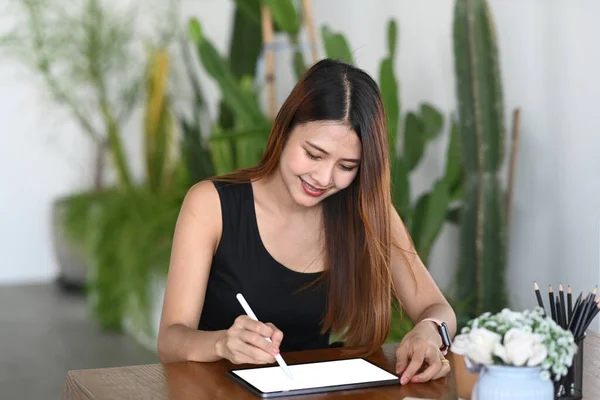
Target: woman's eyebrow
x=353 y=160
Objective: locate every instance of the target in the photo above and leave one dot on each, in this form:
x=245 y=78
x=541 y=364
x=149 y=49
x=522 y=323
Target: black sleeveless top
x=276 y=294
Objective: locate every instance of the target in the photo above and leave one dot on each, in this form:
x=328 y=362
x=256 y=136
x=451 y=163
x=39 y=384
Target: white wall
x=38 y=161
x=549 y=69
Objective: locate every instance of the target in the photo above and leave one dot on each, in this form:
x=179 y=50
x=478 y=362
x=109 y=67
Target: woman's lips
x=311 y=190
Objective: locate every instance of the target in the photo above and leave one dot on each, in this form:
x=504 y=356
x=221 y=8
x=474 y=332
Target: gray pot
x=71 y=261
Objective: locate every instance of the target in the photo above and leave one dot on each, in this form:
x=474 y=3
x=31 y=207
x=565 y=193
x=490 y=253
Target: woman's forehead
x=333 y=132
x=332 y=137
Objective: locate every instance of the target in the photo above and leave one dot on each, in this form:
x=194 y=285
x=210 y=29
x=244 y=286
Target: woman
x=311 y=239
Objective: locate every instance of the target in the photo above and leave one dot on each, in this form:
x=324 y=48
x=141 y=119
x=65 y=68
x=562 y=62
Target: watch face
x=445 y=334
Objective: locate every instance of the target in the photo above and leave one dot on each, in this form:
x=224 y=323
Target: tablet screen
x=315 y=375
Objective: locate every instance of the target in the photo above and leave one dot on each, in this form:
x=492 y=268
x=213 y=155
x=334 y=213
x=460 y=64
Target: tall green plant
x=126 y=232
x=481 y=272
x=158 y=127
x=251 y=127
x=424 y=217
x=195 y=151
x=84 y=55
x=244 y=49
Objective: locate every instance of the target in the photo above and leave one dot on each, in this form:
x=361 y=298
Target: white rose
x=481 y=345
x=500 y=351
x=524 y=348
x=460 y=344
x=538 y=354
x=518 y=352
x=516 y=334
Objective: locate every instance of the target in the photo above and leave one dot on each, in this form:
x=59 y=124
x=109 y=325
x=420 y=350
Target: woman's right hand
x=245 y=343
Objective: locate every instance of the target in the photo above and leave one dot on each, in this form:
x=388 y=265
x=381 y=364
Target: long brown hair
x=356 y=219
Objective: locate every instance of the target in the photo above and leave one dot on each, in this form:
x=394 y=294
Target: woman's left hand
x=420 y=351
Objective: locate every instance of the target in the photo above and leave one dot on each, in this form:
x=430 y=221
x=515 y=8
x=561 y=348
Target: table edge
x=72 y=378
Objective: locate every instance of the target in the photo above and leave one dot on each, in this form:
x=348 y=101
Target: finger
x=255 y=326
x=443 y=372
x=277 y=335
x=415 y=364
x=401 y=358
x=434 y=366
x=259 y=342
x=248 y=354
x=256 y=355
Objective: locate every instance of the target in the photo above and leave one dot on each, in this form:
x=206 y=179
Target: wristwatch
x=444 y=333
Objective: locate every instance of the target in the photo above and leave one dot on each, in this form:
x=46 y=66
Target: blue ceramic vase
x=501 y=382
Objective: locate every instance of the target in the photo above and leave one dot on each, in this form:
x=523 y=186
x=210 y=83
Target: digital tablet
x=313 y=377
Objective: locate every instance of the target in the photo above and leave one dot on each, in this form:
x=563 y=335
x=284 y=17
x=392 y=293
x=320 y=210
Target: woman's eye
x=343 y=167
x=312 y=157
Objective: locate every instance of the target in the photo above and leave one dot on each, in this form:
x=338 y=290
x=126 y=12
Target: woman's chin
x=305 y=200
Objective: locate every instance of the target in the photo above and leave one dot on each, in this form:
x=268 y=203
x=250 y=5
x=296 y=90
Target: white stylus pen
x=250 y=313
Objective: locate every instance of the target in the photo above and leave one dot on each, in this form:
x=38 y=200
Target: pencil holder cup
x=570 y=387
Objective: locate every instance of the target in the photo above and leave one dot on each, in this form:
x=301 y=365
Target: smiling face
x=319 y=159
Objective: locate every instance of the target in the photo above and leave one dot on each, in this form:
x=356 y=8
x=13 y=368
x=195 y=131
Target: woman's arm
x=421 y=298
x=197 y=233
x=417 y=291
x=196 y=238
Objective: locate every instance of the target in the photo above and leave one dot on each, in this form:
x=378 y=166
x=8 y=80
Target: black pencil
x=552 y=308
x=576 y=311
x=596 y=309
x=538 y=295
x=563 y=315
x=578 y=301
x=559 y=319
x=563 y=310
x=569 y=304
x=589 y=310
x=585 y=307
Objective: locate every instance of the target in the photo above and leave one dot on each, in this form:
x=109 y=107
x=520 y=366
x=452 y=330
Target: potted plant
x=517 y=354
x=87 y=59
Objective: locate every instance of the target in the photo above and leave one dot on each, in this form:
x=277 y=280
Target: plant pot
x=71 y=260
x=501 y=382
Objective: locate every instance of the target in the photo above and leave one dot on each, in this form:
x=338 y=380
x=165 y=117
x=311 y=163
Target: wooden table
x=200 y=381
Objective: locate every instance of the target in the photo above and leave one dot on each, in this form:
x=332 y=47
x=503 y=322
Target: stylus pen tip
x=288 y=373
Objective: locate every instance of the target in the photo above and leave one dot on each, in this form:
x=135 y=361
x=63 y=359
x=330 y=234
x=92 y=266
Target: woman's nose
x=322 y=177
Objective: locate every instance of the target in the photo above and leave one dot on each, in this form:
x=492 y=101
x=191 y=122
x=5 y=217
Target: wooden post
x=512 y=163
x=267 y=37
x=310 y=28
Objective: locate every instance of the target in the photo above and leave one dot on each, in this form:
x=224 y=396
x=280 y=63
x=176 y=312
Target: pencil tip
x=560 y=286
x=535 y=285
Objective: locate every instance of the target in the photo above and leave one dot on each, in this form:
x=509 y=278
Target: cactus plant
x=480 y=275
x=425 y=217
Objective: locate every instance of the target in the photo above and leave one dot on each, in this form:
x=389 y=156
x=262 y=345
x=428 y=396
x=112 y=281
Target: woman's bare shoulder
x=202 y=204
